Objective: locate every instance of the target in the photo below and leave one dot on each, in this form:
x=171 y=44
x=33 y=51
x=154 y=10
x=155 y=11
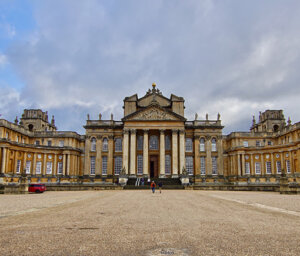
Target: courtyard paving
x=141 y=223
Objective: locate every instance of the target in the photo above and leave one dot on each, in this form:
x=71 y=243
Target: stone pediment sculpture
x=154 y=113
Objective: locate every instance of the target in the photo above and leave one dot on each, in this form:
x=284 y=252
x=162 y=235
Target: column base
x=162 y=176
x=175 y=175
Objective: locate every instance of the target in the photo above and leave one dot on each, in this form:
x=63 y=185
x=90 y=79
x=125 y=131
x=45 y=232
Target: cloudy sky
x=74 y=57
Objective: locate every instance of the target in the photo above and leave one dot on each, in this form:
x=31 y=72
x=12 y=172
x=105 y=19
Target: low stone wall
x=78 y=187
x=238 y=187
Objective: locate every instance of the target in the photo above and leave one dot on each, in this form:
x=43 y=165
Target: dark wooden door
x=153 y=166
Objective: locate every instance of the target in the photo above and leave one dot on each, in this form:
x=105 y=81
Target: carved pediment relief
x=153 y=113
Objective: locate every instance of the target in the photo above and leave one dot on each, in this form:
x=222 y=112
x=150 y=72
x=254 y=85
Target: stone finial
x=289 y=121
x=196 y=116
x=16 y=120
x=206 y=116
x=153 y=85
x=218 y=117
x=53 y=120
x=260 y=116
x=111 y=116
x=100 y=116
x=253 y=121
x=88 y=116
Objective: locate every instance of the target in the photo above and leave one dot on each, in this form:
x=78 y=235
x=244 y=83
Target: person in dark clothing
x=160 y=186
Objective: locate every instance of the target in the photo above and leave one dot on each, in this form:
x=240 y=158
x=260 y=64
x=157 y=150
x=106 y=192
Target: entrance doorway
x=153 y=166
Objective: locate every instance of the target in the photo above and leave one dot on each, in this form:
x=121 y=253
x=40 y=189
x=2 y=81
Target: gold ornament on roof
x=154 y=85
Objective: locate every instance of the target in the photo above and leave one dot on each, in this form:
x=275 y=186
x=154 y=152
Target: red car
x=37 y=188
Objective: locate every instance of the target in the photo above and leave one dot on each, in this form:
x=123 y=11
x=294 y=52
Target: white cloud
x=3 y=60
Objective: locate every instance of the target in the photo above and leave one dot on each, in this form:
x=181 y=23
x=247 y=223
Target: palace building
x=153 y=140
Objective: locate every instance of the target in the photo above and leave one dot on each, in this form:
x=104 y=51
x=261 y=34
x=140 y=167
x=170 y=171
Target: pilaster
x=125 y=149
x=208 y=155
x=175 y=152
x=197 y=154
x=181 y=150
x=145 y=153
x=132 y=152
x=162 y=153
x=110 y=159
x=98 y=165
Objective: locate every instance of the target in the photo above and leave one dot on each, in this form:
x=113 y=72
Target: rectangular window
x=257 y=143
x=93 y=162
x=118 y=165
x=49 y=143
x=118 y=145
x=278 y=167
x=189 y=163
x=214 y=165
x=245 y=143
x=269 y=143
x=140 y=142
x=49 y=168
x=61 y=143
x=168 y=164
x=18 y=166
x=202 y=147
x=202 y=165
x=104 y=165
x=189 y=145
x=37 y=142
x=38 y=167
x=268 y=168
x=140 y=164
x=28 y=165
x=288 y=166
x=247 y=168
x=257 y=168
x=59 y=168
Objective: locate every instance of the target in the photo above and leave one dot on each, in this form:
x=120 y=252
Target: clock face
x=267 y=156
x=39 y=156
x=287 y=154
x=50 y=157
x=246 y=157
x=59 y=157
x=29 y=155
x=277 y=155
x=257 y=157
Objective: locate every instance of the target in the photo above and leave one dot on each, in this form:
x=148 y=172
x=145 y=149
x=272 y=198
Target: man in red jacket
x=153 y=185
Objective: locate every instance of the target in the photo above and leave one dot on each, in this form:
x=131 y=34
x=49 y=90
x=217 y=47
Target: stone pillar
x=110 y=159
x=252 y=168
x=175 y=153
x=208 y=155
x=132 y=152
x=45 y=164
x=263 y=167
x=69 y=163
x=87 y=156
x=23 y=170
x=197 y=154
x=34 y=164
x=239 y=164
x=162 y=153
x=98 y=165
x=64 y=164
x=243 y=163
x=272 y=164
x=220 y=155
x=181 y=150
x=3 y=160
x=282 y=162
x=145 y=153
x=125 y=149
x=55 y=164
x=291 y=162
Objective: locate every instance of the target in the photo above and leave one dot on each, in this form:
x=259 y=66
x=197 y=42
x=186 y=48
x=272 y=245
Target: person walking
x=160 y=186
x=153 y=185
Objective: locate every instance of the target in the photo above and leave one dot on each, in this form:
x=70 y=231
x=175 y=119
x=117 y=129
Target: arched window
x=189 y=145
x=213 y=145
x=118 y=145
x=167 y=143
x=153 y=142
x=93 y=144
x=140 y=142
x=105 y=144
x=202 y=145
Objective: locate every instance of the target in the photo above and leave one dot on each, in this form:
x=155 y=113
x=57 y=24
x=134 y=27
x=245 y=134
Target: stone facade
x=153 y=140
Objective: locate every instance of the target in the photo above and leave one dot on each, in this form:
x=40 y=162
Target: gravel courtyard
x=140 y=223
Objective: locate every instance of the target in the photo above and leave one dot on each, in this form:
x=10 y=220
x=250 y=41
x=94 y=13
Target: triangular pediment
x=154 y=113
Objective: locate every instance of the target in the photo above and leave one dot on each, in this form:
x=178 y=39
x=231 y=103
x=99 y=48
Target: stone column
x=252 y=168
x=132 y=152
x=98 y=166
x=55 y=164
x=197 y=154
x=145 y=153
x=110 y=159
x=34 y=164
x=3 y=160
x=87 y=156
x=239 y=164
x=162 y=153
x=125 y=149
x=64 y=164
x=243 y=163
x=45 y=164
x=175 y=153
x=272 y=164
x=24 y=163
x=263 y=168
x=220 y=155
x=69 y=163
x=291 y=162
x=282 y=162
x=181 y=150
x=208 y=155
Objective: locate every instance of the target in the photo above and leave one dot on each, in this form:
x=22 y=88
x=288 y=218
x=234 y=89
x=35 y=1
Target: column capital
x=219 y=137
x=146 y=131
x=162 y=131
x=99 y=137
x=125 y=131
x=182 y=131
x=197 y=137
x=174 y=130
x=110 y=137
x=133 y=131
x=207 y=137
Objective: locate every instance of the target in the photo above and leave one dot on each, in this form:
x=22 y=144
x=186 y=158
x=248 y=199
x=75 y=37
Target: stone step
x=149 y=188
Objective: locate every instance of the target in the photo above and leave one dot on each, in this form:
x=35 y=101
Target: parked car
x=37 y=188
